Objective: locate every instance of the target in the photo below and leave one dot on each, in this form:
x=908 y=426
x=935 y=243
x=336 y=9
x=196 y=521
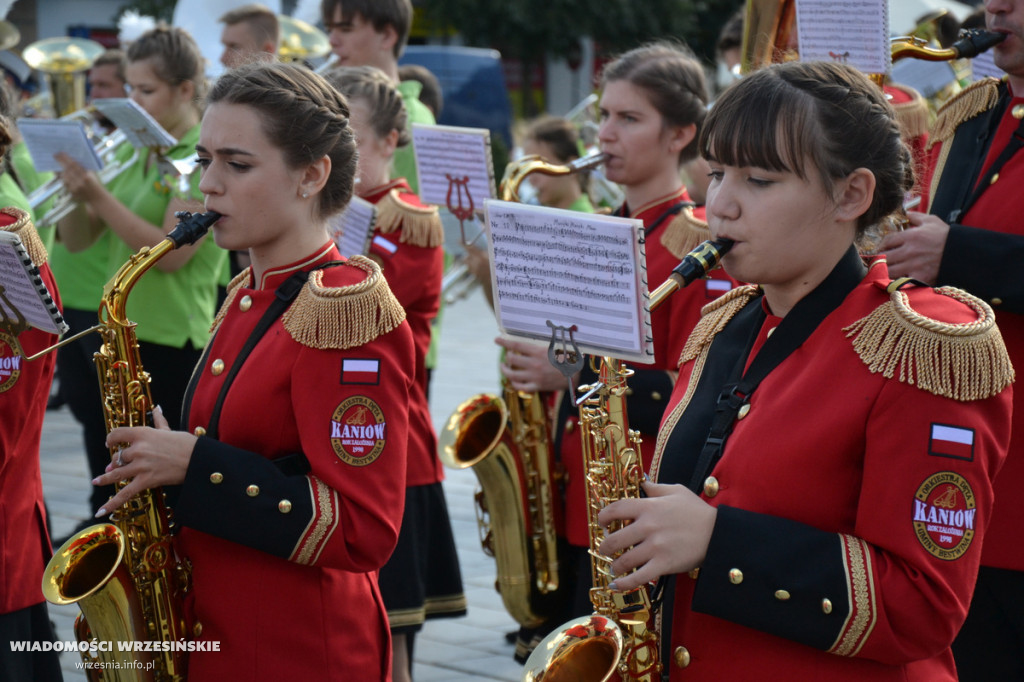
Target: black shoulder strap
x=283 y=297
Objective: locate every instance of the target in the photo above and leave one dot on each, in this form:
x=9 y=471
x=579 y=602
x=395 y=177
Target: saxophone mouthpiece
x=191 y=227
x=701 y=261
x=973 y=41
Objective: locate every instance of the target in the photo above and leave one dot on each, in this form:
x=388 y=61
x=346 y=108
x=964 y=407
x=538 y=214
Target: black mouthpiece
x=973 y=41
x=191 y=227
x=701 y=260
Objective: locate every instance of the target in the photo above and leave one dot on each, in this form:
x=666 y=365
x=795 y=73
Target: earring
x=305 y=195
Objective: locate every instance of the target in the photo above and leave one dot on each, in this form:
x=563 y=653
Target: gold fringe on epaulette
x=26 y=231
x=713 y=318
x=912 y=115
x=344 y=317
x=976 y=98
x=240 y=280
x=684 y=233
x=959 y=361
x=421 y=226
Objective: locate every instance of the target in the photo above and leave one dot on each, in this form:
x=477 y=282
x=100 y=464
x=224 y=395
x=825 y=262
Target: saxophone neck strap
x=283 y=297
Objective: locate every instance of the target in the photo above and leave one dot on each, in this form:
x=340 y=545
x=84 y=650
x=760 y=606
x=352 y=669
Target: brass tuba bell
x=64 y=61
x=300 y=41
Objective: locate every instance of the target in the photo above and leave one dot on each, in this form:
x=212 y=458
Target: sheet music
x=926 y=77
x=46 y=137
x=141 y=129
x=570 y=268
x=853 y=32
x=984 y=65
x=444 y=153
x=351 y=229
x=23 y=291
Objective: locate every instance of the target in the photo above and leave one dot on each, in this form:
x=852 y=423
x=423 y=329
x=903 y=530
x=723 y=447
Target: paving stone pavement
x=449 y=650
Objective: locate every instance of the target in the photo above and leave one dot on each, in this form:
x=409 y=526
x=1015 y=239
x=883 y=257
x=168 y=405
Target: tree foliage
x=158 y=9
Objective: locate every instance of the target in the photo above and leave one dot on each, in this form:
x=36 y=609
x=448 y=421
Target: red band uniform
x=278 y=547
x=856 y=565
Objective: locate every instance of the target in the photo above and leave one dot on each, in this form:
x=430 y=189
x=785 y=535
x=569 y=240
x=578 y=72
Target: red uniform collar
x=275 y=277
x=377 y=193
x=652 y=209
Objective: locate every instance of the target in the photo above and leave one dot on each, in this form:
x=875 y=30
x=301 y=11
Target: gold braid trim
x=684 y=233
x=713 y=318
x=912 y=115
x=343 y=317
x=421 y=226
x=26 y=231
x=976 y=98
x=959 y=361
x=240 y=280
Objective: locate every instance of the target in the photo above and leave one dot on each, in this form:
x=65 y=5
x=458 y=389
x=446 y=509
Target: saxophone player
x=292 y=467
x=830 y=469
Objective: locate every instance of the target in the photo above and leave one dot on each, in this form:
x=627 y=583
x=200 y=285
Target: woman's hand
x=670 y=532
x=84 y=186
x=527 y=368
x=148 y=458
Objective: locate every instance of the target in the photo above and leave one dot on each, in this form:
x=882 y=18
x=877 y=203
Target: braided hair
x=800 y=116
x=371 y=86
x=174 y=56
x=303 y=115
x=674 y=83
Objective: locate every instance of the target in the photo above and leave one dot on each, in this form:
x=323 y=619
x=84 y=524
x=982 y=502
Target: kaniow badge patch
x=358 y=431
x=10 y=362
x=944 y=515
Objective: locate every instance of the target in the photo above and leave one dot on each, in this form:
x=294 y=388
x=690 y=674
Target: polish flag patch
x=363 y=372
x=388 y=247
x=716 y=287
x=951 y=441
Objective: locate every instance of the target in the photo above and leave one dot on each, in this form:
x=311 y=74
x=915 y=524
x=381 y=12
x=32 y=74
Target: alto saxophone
x=124 y=576
x=619 y=637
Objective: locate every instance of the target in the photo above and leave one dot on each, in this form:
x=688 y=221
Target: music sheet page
x=46 y=137
x=854 y=32
x=571 y=269
x=454 y=166
x=351 y=229
x=23 y=291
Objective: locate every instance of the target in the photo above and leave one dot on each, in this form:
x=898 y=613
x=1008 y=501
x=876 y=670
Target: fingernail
x=158 y=409
x=96 y=481
x=101 y=512
x=613 y=586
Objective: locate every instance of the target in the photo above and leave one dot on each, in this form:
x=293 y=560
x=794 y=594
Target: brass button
x=694 y=573
x=735 y=576
x=711 y=486
x=217 y=367
x=655 y=395
x=826 y=605
x=245 y=303
x=781 y=595
x=216 y=477
x=199 y=431
x=997 y=301
x=994 y=178
x=629 y=390
x=744 y=410
x=770 y=332
x=252 y=491
x=1018 y=111
x=681 y=657
x=570 y=426
x=284 y=506
x=197 y=629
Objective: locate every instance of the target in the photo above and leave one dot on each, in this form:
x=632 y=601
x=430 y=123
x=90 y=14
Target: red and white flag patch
x=388 y=247
x=716 y=287
x=951 y=441
x=357 y=371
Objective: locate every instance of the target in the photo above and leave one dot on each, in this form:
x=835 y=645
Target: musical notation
x=853 y=32
x=444 y=152
x=23 y=294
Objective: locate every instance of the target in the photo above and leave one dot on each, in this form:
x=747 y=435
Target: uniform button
x=997 y=301
x=245 y=303
x=711 y=486
x=744 y=410
x=197 y=629
x=284 y=506
x=770 y=332
x=655 y=395
x=994 y=178
x=735 y=576
x=252 y=491
x=781 y=595
x=1017 y=112
x=217 y=367
x=570 y=426
x=216 y=477
x=694 y=573
x=199 y=431
x=681 y=657
x=826 y=605
x=629 y=390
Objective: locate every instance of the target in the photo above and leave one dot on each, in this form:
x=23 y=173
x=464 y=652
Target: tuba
x=124 y=576
x=620 y=636
x=64 y=61
x=300 y=41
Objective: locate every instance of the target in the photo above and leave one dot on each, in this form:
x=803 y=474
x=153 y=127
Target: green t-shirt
x=403 y=164
x=171 y=308
x=30 y=180
x=582 y=205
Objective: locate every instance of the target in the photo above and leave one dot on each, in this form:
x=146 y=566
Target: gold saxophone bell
x=586 y=648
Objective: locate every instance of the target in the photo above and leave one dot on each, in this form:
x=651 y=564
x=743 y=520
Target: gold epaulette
x=240 y=280
x=959 y=361
x=343 y=317
x=684 y=233
x=26 y=231
x=912 y=115
x=421 y=225
x=713 y=318
x=976 y=98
